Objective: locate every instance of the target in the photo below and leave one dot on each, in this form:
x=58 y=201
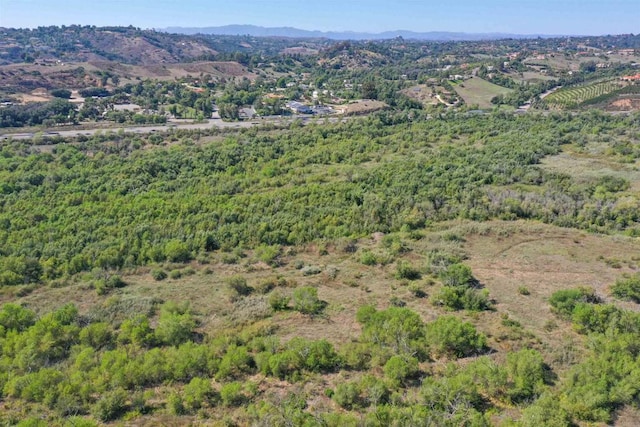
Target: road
x=169 y=126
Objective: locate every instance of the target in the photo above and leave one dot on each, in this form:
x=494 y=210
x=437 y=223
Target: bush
x=526 y=371
x=232 y=394
x=347 y=395
x=523 y=290
x=278 y=301
x=177 y=251
x=564 y=301
x=136 y=331
x=546 y=411
x=306 y=301
x=311 y=270
x=368 y=258
x=61 y=93
x=103 y=286
x=450 y=336
x=417 y=290
x=238 y=285
x=404 y=270
x=175 y=404
x=396 y=330
x=96 y=335
x=197 y=393
x=627 y=288
x=269 y=254
x=401 y=368
x=111 y=405
x=460 y=298
x=236 y=361
x=457 y=275
x=175 y=328
x=439 y=260
x=158 y=274
x=175 y=274
x=14 y=317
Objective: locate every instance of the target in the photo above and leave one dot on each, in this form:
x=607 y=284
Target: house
x=634 y=79
x=247 y=113
x=299 y=108
x=626 y=52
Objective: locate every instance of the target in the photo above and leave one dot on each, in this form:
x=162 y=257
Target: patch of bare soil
x=625 y=104
x=361 y=107
x=545 y=261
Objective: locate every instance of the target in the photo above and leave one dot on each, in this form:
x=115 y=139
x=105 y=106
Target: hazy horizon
x=554 y=17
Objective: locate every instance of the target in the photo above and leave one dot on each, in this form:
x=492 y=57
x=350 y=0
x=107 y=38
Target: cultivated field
x=573 y=96
x=477 y=91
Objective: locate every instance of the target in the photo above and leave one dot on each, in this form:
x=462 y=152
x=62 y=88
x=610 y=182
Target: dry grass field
x=477 y=91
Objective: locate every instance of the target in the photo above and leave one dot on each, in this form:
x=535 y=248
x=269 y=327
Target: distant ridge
x=257 y=31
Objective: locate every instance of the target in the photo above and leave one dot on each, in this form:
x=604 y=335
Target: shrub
x=348 y=246
x=627 y=288
x=523 y=290
x=175 y=328
x=235 y=362
x=136 y=331
x=103 y=286
x=238 y=285
x=401 y=368
x=564 y=301
x=417 y=290
x=278 y=301
x=460 y=298
x=311 y=270
x=306 y=301
x=269 y=254
x=175 y=404
x=175 y=274
x=546 y=411
x=197 y=392
x=158 y=274
x=14 y=317
x=404 y=270
x=96 y=335
x=457 y=275
x=439 y=260
x=397 y=302
x=314 y=356
x=368 y=258
x=111 y=405
x=347 y=395
x=526 y=371
x=232 y=394
x=177 y=251
x=61 y=93
x=396 y=330
x=450 y=336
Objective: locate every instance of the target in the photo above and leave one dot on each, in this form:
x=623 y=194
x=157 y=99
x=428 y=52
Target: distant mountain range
x=253 y=30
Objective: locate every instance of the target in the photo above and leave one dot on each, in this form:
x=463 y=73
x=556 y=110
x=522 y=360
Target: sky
x=557 y=17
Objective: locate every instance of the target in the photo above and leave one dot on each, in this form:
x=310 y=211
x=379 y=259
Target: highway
x=166 y=127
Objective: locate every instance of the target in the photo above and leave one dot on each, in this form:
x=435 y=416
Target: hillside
x=244 y=231
x=258 y=31
x=85 y=44
x=326 y=273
